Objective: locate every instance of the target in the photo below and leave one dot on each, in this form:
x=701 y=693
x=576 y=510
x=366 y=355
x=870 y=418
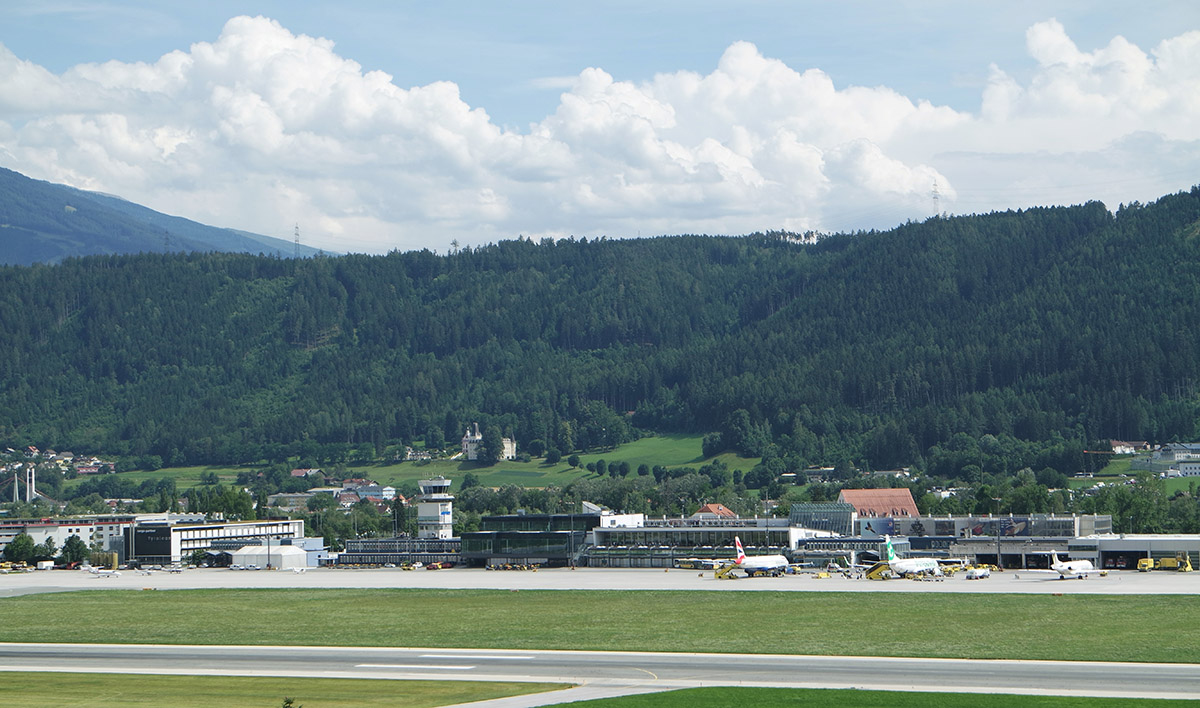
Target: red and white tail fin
x=741 y=554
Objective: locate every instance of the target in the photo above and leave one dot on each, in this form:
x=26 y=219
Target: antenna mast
x=297 y=235
x=937 y=210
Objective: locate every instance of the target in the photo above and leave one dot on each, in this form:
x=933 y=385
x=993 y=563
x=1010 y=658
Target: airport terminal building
x=170 y=541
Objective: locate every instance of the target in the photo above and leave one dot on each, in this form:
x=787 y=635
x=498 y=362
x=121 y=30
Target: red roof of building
x=881 y=502
x=716 y=509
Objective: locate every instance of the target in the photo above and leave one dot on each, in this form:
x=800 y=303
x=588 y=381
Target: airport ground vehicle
x=1180 y=563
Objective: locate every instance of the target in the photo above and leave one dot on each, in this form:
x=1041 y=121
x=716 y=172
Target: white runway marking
x=476 y=657
x=413 y=666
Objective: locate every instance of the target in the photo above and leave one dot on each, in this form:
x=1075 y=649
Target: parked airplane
x=1068 y=569
x=759 y=565
x=102 y=573
x=910 y=566
x=298 y=570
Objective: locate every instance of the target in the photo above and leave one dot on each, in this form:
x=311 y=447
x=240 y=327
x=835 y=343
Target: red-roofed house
x=709 y=511
x=881 y=502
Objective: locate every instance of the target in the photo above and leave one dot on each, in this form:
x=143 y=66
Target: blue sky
x=617 y=118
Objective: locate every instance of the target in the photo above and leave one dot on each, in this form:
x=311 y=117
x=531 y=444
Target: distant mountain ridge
x=1022 y=337
x=43 y=222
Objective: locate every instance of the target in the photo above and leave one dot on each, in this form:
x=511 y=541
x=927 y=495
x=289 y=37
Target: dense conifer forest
x=1038 y=331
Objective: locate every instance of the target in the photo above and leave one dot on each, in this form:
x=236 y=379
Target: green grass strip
x=72 y=690
x=991 y=626
x=840 y=698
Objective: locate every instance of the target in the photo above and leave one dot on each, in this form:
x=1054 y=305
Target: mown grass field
x=993 y=626
x=667 y=450
x=829 y=698
x=71 y=690
x=77 y=690
x=1113 y=473
x=185 y=477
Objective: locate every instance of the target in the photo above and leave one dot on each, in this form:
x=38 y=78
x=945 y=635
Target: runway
x=1117 y=582
x=629 y=670
x=607 y=672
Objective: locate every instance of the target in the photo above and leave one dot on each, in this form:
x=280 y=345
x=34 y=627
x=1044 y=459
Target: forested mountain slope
x=41 y=222
x=1064 y=324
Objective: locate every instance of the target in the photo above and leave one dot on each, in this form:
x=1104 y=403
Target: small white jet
x=759 y=565
x=298 y=570
x=1068 y=569
x=102 y=573
x=910 y=566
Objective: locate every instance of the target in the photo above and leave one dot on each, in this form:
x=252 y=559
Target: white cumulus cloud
x=263 y=128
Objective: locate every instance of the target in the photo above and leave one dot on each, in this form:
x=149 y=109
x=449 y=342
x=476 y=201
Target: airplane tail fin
x=741 y=554
x=891 y=552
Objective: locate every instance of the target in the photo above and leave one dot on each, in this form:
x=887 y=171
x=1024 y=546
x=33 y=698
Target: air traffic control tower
x=435 y=509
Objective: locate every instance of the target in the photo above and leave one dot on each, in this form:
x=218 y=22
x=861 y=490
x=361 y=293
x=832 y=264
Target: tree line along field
x=951 y=625
x=670 y=451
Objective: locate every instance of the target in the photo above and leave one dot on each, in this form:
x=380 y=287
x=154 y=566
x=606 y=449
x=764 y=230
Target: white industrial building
x=108 y=531
x=172 y=543
x=273 y=556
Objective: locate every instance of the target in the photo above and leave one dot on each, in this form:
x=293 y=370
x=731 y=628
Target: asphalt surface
x=603 y=674
x=1117 y=582
x=623 y=671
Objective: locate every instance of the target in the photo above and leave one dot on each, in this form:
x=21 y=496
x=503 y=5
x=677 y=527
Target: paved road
x=1120 y=582
x=633 y=670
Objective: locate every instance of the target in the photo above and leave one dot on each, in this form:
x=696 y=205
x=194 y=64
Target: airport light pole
x=996 y=528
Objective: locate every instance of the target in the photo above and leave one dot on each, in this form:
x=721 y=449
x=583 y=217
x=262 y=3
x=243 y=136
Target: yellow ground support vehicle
x=1181 y=563
x=726 y=572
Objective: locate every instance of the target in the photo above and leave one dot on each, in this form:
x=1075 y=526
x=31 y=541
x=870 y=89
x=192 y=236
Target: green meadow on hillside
x=671 y=451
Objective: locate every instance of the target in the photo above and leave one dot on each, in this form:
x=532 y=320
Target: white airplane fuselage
x=763 y=564
x=913 y=566
x=1071 y=569
x=759 y=565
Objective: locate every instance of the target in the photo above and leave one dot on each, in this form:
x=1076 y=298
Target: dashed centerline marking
x=433 y=667
x=476 y=657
